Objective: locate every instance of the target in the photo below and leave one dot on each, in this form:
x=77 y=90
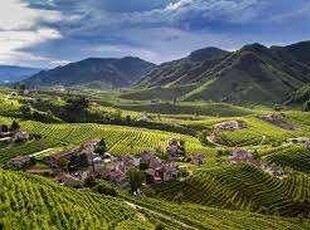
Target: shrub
x=101 y=147
x=105 y=190
x=14 y=126
x=306 y=106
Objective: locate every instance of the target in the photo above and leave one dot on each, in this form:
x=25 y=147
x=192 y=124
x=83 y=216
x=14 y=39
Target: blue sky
x=47 y=33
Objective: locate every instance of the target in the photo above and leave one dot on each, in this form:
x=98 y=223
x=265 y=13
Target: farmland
x=215 y=194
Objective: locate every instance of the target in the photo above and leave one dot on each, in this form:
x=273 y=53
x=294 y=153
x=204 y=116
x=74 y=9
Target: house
x=20 y=136
x=59 y=88
x=230 y=126
x=19 y=162
x=198 y=159
x=273 y=170
x=239 y=155
x=175 y=148
x=144 y=118
x=69 y=180
x=170 y=172
x=278 y=119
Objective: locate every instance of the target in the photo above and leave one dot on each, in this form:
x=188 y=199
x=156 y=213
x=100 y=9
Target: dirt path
x=138 y=207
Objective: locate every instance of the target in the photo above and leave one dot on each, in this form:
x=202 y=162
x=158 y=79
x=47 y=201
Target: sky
x=48 y=33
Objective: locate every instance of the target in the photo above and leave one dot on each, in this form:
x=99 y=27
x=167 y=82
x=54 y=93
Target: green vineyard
x=120 y=140
x=243 y=187
x=212 y=194
x=29 y=202
x=34 y=203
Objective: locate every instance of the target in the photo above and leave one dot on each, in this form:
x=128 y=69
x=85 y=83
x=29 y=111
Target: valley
x=248 y=163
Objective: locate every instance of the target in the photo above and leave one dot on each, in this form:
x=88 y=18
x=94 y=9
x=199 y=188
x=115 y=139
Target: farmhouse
x=278 y=119
x=79 y=157
x=239 y=155
x=198 y=159
x=175 y=149
x=19 y=162
x=229 y=126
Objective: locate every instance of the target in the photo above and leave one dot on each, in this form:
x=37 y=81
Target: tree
x=4 y=128
x=75 y=109
x=306 y=106
x=136 y=179
x=14 y=126
x=182 y=149
x=26 y=111
x=277 y=107
x=101 y=148
x=22 y=87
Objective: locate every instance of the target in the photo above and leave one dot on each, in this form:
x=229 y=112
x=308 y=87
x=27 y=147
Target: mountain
x=94 y=73
x=15 y=73
x=254 y=73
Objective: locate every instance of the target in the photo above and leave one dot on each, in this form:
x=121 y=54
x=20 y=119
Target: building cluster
x=116 y=169
x=242 y=156
x=12 y=135
x=300 y=140
x=176 y=149
x=19 y=162
x=278 y=119
x=76 y=165
x=229 y=126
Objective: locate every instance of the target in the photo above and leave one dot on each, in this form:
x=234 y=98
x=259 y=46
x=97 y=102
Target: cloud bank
x=48 y=32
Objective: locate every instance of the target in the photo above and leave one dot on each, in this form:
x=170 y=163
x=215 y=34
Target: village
x=91 y=160
x=74 y=166
x=12 y=134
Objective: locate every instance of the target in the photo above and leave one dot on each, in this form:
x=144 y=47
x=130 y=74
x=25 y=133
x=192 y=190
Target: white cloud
x=20 y=28
x=12 y=42
x=15 y=15
x=178 y=5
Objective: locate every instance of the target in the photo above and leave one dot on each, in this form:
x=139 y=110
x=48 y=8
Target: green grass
x=158 y=93
x=257 y=132
x=206 y=109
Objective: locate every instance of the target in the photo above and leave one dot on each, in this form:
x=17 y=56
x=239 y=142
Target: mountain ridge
x=254 y=73
x=102 y=72
x=11 y=73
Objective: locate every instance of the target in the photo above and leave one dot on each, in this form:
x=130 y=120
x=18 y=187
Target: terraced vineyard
x=29 y=202
x=243 y=187
x=202 y=217
x=296 y=157
x=215 y=195
x=34 y=203
x=8 y=105
x=120 y=140
x=257 y=132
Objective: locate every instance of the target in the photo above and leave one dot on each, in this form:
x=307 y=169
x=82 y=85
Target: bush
x=90 y=182
x=159 y=227
x=101 y=147
x=14 y=126
x=105 y=190
x=306 y=106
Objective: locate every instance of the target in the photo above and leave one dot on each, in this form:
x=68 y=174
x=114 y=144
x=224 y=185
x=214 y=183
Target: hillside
x=15 y=73
x=270 y=190
x=94 y=73
x=254 y=73
x=31 y=202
